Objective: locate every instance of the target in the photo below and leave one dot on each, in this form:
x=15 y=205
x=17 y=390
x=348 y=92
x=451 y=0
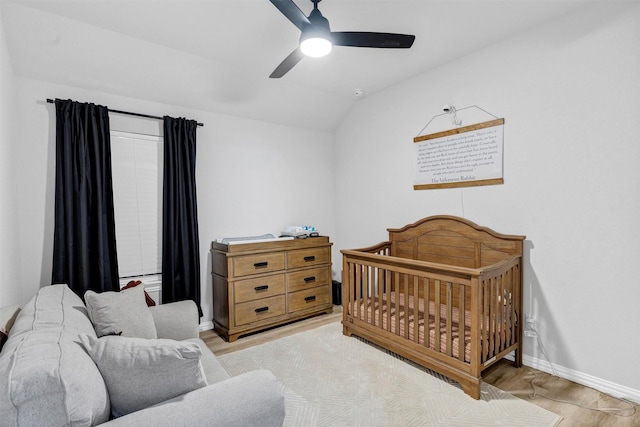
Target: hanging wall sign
x=463 y=157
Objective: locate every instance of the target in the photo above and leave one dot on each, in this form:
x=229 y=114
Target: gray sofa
x=48 y=378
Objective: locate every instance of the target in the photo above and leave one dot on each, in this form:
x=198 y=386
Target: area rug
x=329 y=379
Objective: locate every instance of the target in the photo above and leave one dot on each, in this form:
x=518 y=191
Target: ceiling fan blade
x=288 y=63
x=289 y=9
x=368 y=39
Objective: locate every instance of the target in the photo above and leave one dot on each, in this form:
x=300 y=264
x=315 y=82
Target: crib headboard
x=452 y=240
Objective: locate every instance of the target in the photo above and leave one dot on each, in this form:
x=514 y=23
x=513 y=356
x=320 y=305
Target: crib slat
x=486 y=313
x=500 y=322
x=507 y=309
x=348 y=285
x=514 y=304
x=396 y=309
x=375 y=271
x=449 y=308
x=371 y=297
x=503 y=309
x=416 y=311
x=381 y=291
x=367 y=293
x=518 y=298
x=514 y=308
x=496 y=316
x=511 y=319
x=358 y=291
x=388 y=311
x=405 y=322
x=363 y=289
x=427 y=312
x=497 y=313
x=492 y=317
x=462 y=324
x=436 y=323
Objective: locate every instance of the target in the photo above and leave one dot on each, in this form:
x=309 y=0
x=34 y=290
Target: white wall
x=252 y=177
x=10 y=290
x=570 y=95
x=569 y=92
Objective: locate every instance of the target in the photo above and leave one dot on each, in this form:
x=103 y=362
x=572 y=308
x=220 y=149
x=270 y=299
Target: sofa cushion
x=140 y=373
x=46 y=378
x=53 y=306
x=125 y=313
x=213 y=370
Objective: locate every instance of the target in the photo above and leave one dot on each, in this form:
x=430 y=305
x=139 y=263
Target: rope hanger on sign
x=452 y=111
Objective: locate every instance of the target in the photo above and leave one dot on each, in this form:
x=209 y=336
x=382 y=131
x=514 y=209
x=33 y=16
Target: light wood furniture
x=259 y=285
x=443 y=292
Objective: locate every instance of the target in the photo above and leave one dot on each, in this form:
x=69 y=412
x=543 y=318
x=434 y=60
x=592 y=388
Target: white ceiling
x=216 y=55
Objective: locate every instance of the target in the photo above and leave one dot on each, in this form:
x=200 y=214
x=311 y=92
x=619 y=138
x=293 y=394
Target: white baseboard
x=205 y=326
x=599 y=384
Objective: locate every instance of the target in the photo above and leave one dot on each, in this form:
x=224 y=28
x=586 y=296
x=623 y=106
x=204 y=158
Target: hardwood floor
x=220 y=346
x=553 y=392
x=502 y=375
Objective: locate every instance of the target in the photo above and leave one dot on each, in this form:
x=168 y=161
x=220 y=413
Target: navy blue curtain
x=84 y=243
x=180 y=242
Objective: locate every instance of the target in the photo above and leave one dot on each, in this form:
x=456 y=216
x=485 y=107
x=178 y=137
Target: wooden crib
x=442 y=292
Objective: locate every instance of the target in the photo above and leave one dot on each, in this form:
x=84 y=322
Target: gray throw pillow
x=140 y=373
x=121 y=313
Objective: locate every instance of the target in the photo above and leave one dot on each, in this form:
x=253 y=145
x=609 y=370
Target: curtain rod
x=51 y=101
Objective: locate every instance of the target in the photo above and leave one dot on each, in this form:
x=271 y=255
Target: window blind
x=137 y=192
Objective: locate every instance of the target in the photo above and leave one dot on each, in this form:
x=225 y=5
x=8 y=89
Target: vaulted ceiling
x=216 y=55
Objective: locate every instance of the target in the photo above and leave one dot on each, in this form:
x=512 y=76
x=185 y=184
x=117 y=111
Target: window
x=137 y=192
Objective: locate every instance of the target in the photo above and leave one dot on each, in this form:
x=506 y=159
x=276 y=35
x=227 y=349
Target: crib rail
x=463 y=317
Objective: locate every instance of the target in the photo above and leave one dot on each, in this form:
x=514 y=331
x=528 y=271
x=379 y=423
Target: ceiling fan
x=317 y=38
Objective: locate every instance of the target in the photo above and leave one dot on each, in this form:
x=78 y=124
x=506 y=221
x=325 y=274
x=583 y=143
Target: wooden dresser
x=263 y=284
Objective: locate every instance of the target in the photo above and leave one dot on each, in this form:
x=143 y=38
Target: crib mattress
x=407 y=316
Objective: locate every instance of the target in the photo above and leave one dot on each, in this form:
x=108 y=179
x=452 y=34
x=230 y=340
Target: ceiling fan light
x=315 y=47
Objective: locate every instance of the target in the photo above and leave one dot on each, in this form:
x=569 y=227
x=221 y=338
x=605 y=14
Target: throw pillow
x=134 y=283
x=140 y=373
x=125 y=312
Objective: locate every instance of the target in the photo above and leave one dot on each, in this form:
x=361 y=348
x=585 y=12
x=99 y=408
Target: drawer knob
x=309 y=258
x=261 y=264
x=261 y=288
x=309 y=279
x=311 y=298
x=261 y=309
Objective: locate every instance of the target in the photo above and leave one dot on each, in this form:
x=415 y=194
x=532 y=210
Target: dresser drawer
x=255 y=311
x=309 y=298
x=262 y=287
x=258 y=263
x=308 y=278
x=308 y=257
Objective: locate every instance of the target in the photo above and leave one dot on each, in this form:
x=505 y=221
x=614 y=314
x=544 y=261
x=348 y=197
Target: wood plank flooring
x=502 y=375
